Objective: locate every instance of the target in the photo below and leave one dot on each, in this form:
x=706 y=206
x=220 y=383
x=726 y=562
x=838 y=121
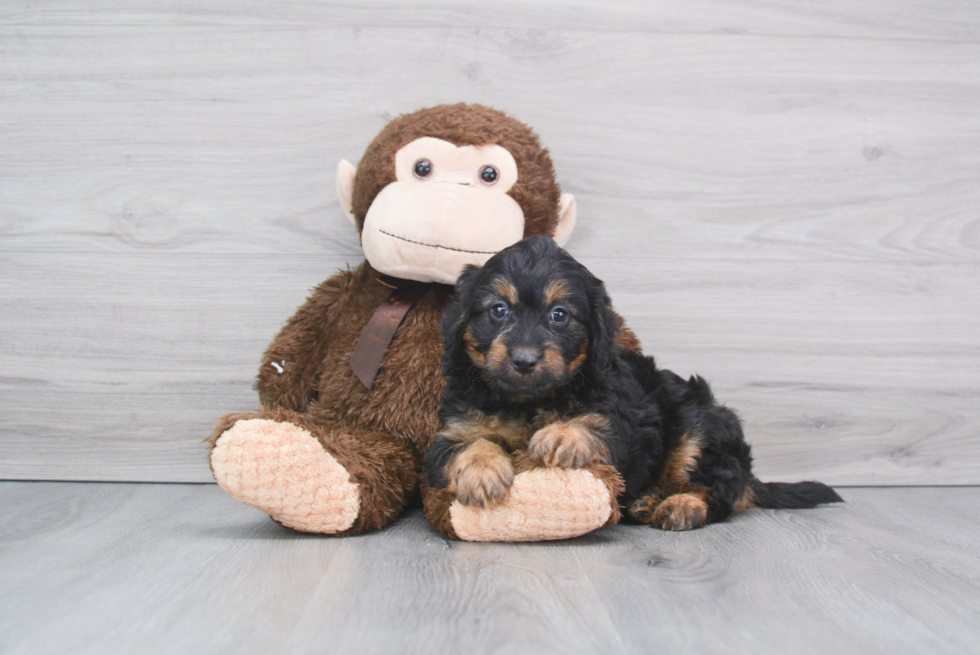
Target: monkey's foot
x=543 y=504
x=284 y=471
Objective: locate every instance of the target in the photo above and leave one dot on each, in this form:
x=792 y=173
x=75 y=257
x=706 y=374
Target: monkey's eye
x=488 y=174
x=423 y=169
x=559 y=315
x=499 y=310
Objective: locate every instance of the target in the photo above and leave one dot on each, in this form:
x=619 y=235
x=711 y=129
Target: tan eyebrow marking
x=505 y=290
x=556 y=291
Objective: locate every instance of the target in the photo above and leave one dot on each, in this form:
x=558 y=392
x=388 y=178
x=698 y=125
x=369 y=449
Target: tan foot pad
x=543 y=504
x=283 y=470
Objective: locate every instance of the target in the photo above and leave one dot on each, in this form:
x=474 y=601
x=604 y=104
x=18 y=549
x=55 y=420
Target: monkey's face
x=448 y=207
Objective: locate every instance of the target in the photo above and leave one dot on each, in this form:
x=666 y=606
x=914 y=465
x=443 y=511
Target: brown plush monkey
x=351 y=386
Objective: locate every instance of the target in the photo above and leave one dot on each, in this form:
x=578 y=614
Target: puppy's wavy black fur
x=682 y=456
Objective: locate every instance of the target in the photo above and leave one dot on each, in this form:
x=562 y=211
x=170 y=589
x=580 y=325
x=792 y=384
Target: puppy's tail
x=792 y=495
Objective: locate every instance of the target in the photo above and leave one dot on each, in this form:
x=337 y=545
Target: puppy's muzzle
x=525 y=360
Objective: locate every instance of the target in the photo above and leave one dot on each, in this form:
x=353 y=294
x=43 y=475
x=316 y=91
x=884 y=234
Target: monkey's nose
x=524 y=360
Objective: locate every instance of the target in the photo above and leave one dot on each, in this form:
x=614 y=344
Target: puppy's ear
x=602 y=330
x=457 y=317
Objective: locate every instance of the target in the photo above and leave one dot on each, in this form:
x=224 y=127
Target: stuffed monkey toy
x=350 y=388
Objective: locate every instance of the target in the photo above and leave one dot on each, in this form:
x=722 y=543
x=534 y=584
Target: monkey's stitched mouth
x=429 y=245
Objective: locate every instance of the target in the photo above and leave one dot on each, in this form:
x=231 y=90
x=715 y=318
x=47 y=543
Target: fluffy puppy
x=533 y=365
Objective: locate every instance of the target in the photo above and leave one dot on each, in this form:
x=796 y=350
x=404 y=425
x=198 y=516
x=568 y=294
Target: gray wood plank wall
x=783 y=197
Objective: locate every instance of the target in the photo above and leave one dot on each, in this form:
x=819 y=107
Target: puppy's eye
x=423 y=169
x=499 y=310
x=559 y=315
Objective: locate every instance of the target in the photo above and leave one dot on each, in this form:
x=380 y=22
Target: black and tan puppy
x=532 y=364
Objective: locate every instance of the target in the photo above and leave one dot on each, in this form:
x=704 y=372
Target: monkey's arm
x=291 y=365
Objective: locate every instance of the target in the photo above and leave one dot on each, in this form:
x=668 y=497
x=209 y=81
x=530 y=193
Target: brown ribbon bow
x=378 y=333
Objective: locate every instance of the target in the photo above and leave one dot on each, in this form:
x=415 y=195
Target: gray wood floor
x=153 y=568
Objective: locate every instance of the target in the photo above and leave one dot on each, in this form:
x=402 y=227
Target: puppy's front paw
x=566 y=445
x=481 y=474
x=642 y=508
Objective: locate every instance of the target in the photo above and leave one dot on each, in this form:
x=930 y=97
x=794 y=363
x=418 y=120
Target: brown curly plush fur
x=375 y=434
x=437 y=503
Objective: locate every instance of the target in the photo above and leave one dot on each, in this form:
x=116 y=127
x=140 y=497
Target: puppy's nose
x=524 y=360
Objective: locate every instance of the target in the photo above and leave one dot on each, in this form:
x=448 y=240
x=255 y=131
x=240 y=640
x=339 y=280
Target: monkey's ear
x=567 y=211
x=345 y=188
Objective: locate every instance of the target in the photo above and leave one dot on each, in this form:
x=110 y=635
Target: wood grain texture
x=910 y=19
x=153 y=134
x=96 y=568
x=781 y=197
